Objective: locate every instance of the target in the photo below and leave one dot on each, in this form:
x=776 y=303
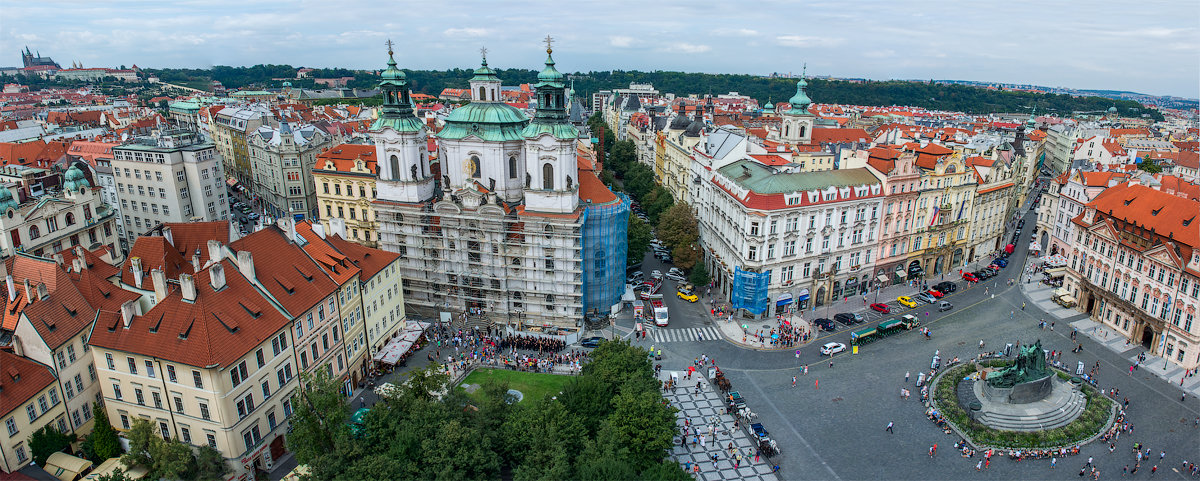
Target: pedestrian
x=1161 y=455
x=831 y=363
x=979 y=465
x=1022 y=306
x=738 y=463
x=889 y=428
x=1153 y=469
x=906 y=374
x=1053 y=460
x=793 y=381
x=1125 y=471
x=1183 y=397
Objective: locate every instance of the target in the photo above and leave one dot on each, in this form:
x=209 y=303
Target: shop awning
x=1062 y=291
x=901 y=274
x=400 y=345
x=803 y=295
x=783 y=299
x=231 y=181
x=882 y=278
x=1056 y=272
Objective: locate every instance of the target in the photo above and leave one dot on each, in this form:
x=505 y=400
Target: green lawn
x=532 y=385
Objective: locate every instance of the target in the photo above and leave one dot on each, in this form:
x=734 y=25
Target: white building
x=281 y=162
x=172 y=177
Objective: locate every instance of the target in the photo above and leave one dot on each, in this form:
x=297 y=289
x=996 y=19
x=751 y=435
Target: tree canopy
x=609 y=423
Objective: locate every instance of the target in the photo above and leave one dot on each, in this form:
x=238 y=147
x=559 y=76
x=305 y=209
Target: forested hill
x=875 y=93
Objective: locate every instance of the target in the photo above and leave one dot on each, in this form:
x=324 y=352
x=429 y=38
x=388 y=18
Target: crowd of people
x=472 y=347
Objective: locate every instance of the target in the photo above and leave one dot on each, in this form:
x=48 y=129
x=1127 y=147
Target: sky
x=1148 y=46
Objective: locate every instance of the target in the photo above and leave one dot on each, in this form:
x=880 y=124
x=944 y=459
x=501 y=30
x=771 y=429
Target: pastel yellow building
x=30 y=402
x=345 y=178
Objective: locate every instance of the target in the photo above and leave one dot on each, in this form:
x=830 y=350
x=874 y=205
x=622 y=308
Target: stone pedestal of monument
x=1036 y=405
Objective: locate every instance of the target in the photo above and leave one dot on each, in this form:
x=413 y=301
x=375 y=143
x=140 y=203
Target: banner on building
x=750 y=290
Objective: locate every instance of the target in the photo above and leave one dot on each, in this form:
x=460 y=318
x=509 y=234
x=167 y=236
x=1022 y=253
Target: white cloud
x=807 y=41
x=466 y=32
x=681 y=47
x=736 y=32
x=621 y=41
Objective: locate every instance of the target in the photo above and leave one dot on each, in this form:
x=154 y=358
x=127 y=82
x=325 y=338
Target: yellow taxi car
x=687 y=293
x=906 y=301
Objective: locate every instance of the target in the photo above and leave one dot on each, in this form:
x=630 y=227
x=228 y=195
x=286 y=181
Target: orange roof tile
x=62 y=314
x=285 y=271
x=21 y=379
x=367 y=260
x=344 y=155
x=218 y=328
x=592 y=189
x=1152 y=208
x=155 y=253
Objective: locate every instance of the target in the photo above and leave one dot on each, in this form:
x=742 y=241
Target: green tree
x=686 y=256
x=638 y=181
x=172 y=460
x=141 y=438
x=622 y=156
x=622 y=366
x=117 y=475
x=678 y=228
x=47 y=441
x=320 y=425
x=103 y=442
x=1150 y=166
x=658 y=201
x=589 y=399
x=457 y=451
x=641 y=424
x=210 y=464
x=542 y=438
x=699 y=275
x=639 y=240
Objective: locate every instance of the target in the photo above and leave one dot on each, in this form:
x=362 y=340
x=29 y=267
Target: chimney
x=187 y=285
x=214 y=251
x=58 y=258
x=42 y=292
x=288 y=225
x=79 y=252
x=135 y=266
x=28 y=292
x=160 y=284
x=337 y=226
x=12 y=288
x=319 y=229
x=216 y=276
x=196 y=261
x=18 y=348
x=166 y=231
x=78 y=265
x=128 y=310
x=245 y=262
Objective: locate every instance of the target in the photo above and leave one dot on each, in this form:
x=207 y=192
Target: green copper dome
x=74 y=179
x=800 y=101
x=392 y=75
x=769 y=107
x=485 y=73
x=550 y=75
x=6 y=200
x=486 y=120
x=396 y=113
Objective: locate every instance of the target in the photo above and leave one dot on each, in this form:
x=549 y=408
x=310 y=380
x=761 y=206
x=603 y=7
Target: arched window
x=787 y=129
x=395 y=162
x=70 y=218
x=547 y=176
x=475 y=166
x=34 y=233
x=803 y=128
x=482 y=94
x=512 y=167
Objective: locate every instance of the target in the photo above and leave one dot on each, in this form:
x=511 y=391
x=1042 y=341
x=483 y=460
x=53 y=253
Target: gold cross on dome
x=549 y=40
x=389 y=46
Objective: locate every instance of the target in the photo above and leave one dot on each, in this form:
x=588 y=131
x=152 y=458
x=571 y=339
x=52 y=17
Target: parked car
x=665 y=258
x=636 y=277
x=687 y=292
x=935 y=293
x=825 y=324
x=884 y=308
x=1001 y=262
x=831 y=348
x=253 y=216
x=906 y=301
x=656 y=274
x=946 y=287
x=591 y=341
x=970 y=276
x=844 y=318
x=925 y=297
x=675 y=273
x=944 y=306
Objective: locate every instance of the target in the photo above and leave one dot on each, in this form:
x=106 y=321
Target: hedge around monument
x=1091 y=421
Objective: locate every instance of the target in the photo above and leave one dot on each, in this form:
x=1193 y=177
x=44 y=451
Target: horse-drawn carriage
x=720 y=382
x=766 y=446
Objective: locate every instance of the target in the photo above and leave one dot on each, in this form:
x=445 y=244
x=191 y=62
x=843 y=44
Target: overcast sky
x=1150 y=46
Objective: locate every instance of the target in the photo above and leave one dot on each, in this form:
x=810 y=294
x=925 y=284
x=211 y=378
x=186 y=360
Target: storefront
x=783 y=303
x=851 y=286
x=802 y=299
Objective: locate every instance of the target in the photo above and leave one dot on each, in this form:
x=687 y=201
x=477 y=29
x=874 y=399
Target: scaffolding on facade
x=605 y=247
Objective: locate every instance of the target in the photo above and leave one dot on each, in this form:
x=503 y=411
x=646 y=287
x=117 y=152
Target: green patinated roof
x=800 y=101
x=486 y=120
x=550 y=76
x=562 y=131
x=403 y=124
x=485 y=73
x=392 y=75
x=763 y=179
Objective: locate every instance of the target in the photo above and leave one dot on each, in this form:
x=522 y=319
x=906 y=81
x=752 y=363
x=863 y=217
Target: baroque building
x=499 y=236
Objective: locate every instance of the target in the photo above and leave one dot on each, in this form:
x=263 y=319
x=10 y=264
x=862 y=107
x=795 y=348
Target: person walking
x=793 y=381
x=889 y=428
x=1053 y=461
x=906 y=374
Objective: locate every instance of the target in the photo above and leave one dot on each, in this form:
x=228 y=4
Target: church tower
x=551 y=172
x=485 y=85
x=400 y=141
x=797 y=121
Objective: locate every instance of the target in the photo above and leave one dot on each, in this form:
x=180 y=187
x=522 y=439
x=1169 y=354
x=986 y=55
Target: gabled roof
x=285 y=271
x=62 y=314
x=21 y=379
x=1152 y=208
x=218 y=328
x=361 y=258
x=335 y=264
x=344 y=155
x=155 y=253
x=839 y=136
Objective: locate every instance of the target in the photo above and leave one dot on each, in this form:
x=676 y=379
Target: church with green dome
x=44 y=223
x=495 y=232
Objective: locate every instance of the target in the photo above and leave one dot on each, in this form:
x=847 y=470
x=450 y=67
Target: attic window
x=14 y=373
x=184 y=335
x=251 y=309
x=159 y=323
x=50 y=325
x=1156 y=211
x=307 y=277
x=70 y=311
x=286 y=286
x=232 y=327
x=1188 y=221
x=1128 y=201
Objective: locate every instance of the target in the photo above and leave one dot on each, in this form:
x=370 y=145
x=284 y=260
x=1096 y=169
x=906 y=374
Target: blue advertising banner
x=750 y=290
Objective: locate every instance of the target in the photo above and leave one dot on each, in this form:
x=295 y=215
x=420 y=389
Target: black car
x=844 y=318
x=982 y=274
x=945 y=287
x=825 y=324
x=591 y=341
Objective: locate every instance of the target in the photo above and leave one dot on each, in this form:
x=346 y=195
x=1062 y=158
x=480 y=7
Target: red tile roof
x=827 y=135
x=1140 y=131
x=37 y=153
x=1152 y=208
x=283 y=269
x=20 y=380
x=993 y=189
x=1100 y=179
x=155 y=253
x=217 y=329
x=335 y=264
x=188 y=237
x=344 y=155
x=91 y=150
x=591 y=188
x=62 y=314
x=363 y=259
x=770 y=159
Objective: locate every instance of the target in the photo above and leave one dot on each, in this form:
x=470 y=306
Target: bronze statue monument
x=1029 y=366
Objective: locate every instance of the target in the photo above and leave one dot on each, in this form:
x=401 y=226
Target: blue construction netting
x=605 y=246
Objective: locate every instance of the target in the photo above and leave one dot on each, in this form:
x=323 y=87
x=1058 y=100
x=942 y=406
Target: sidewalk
x=733 y=331
x=705 y=411
x=1040 y=296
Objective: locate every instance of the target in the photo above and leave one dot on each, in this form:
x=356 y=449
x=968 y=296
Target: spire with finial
x=483 y=54
x=551 y=114
x=800 y=101
x=397 y=110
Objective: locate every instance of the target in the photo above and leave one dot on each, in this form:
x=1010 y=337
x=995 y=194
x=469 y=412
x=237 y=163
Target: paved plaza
x=702 y=407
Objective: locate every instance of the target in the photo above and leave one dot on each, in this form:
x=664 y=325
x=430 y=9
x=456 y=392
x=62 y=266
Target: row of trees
x=609 y=423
